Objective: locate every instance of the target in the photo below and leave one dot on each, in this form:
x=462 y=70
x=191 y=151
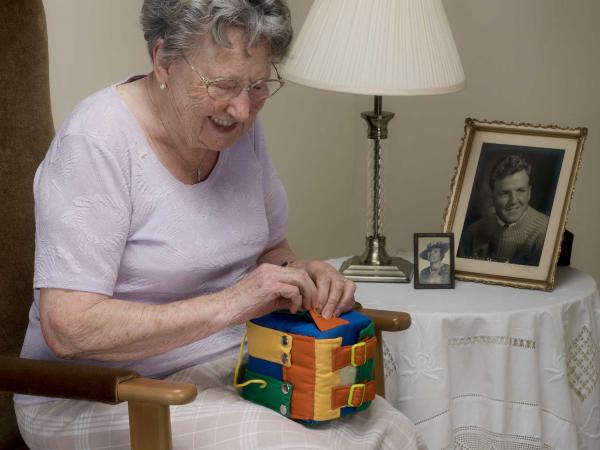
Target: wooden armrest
x=63 y=380
x=160 y=392
x=87 y=382
x=388 y=320
x=383 y=321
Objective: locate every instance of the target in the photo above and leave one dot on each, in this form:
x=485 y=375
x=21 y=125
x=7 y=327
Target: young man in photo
x=515 y=232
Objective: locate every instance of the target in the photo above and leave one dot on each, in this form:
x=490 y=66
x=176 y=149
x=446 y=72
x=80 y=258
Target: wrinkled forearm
x=81 y=325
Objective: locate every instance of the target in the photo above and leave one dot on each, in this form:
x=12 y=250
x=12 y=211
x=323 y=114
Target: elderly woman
x=161 y=230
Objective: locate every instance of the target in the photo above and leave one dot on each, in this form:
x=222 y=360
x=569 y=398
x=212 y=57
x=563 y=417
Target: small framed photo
x=509 y=201
x=434 y=261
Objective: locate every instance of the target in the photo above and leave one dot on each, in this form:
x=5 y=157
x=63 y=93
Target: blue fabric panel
x=267 y=368
x=302 y=323
x=347 y=410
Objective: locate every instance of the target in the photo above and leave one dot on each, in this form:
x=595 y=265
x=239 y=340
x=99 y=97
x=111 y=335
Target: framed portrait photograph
x=434 y=261
x=509 y=200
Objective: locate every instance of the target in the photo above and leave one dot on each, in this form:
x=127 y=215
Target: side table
x=491 y=367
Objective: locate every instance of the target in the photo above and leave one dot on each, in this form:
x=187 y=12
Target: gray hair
x=180 y=22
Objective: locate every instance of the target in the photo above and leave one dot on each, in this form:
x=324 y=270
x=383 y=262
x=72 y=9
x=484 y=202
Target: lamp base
x=375 y=265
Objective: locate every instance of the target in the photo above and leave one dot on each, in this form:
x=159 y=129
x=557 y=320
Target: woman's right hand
x=269 y=288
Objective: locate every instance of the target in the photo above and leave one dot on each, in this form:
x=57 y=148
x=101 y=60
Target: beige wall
x=526 y=61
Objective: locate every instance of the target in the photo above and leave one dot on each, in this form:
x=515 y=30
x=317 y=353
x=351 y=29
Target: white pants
x=218 y=419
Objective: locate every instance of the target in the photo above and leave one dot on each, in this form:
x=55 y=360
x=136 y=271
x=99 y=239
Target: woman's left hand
x=335 y=293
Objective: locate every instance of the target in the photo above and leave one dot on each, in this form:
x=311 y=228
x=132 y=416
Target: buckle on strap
x=362 y=345
x=351 y=394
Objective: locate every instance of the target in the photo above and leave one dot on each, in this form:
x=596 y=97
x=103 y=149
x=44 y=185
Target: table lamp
x=376 y=47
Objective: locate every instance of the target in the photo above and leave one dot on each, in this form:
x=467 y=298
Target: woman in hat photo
x=438 y=271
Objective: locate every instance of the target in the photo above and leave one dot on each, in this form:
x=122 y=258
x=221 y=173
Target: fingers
x=336 y=290
x=335 y=294
x=305 y=284
x=327 y=279
x=291 y=296
x=316 y=285
x=322 y=293
x=278 y=284
x=347 y=301
x=340 y=299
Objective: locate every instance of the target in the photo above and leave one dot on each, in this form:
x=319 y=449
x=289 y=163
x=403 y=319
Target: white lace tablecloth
x=489 y=367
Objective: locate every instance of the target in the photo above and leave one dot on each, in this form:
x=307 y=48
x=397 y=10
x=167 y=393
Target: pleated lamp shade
x=376 y=47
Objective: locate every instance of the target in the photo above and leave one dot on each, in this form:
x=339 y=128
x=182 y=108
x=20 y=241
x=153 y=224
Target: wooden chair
x=26 y=130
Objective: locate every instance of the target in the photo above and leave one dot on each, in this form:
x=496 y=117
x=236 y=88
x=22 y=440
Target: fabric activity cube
x=309 y=368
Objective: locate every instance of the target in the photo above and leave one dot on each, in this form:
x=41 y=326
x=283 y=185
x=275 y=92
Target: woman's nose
x=239 y=106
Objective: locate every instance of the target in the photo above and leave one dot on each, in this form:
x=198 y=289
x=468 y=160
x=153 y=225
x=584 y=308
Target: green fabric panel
x=362 y=407
x=365 y=372
x=272 y=396
x=367 y=331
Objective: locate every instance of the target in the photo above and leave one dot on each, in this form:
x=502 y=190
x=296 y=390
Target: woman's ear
x=161 y=73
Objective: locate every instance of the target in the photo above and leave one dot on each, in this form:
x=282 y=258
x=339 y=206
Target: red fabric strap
x=342 y=356
x=360 y=395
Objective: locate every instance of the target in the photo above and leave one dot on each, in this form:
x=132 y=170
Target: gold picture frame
x=509 y=201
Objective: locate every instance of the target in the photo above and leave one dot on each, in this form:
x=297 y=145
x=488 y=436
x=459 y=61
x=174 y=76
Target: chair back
x=26 y=130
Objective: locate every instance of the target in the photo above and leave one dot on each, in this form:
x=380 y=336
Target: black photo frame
x=434 y=249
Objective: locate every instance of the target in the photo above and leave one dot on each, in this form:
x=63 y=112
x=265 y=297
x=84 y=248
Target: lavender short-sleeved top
x=111 y=219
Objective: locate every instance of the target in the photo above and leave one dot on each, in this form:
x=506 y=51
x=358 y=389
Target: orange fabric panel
x=339 y=395
x=302 y=376
x=324 y=324
x=342 y=355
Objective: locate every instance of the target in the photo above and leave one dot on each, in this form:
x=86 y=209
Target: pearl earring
x=162 y=86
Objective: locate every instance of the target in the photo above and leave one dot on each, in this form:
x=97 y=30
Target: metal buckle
x=351 y=394
x=353 y=353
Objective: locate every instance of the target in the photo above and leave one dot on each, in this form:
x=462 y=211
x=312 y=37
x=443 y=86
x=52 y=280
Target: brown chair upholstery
x=26 y=130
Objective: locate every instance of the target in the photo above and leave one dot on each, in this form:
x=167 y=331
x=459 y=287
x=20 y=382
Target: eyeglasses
x=225 y=89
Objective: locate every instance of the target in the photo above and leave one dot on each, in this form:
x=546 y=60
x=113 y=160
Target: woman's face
x=205 y=123
x=435 y=255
